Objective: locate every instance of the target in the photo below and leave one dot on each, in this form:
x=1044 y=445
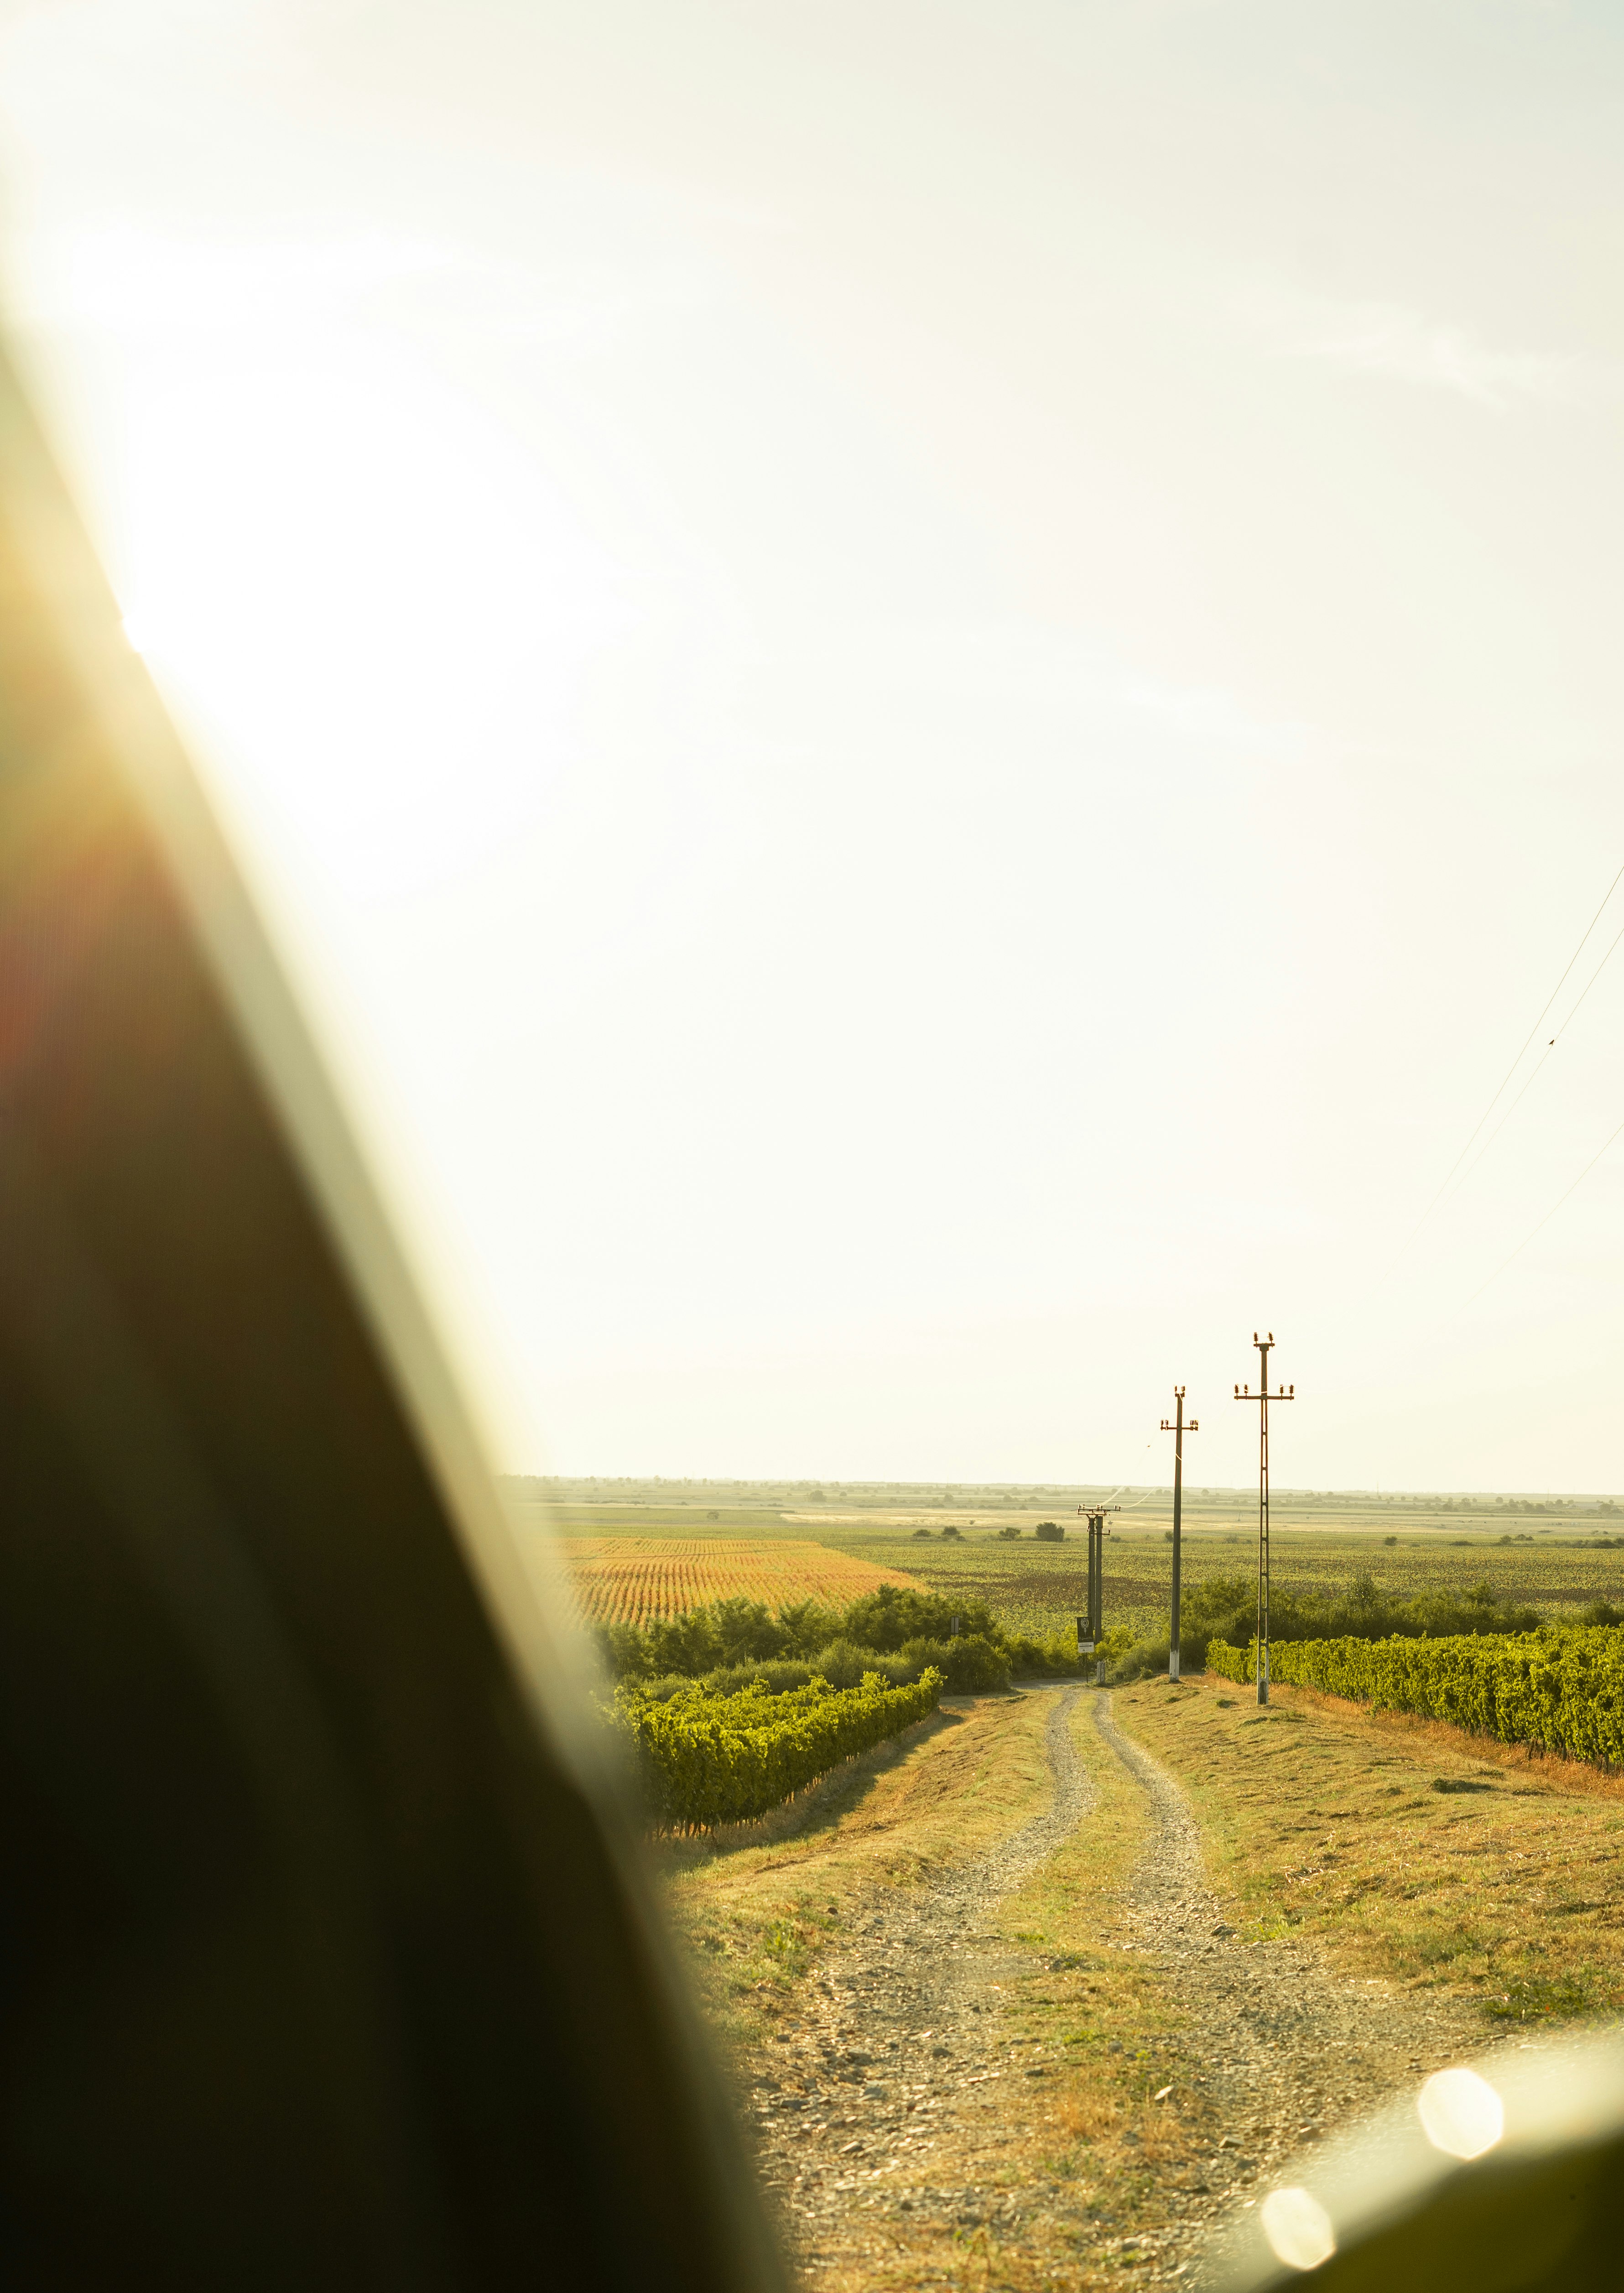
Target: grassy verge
x=1417 y=1851
x=756 y=1905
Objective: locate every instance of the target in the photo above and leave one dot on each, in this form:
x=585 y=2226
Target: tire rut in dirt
x=1282 y=2047
x=901 y=2057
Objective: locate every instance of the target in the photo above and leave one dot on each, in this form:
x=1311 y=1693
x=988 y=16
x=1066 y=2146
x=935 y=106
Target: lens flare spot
x=1298 y=2228
x=1461 y=2113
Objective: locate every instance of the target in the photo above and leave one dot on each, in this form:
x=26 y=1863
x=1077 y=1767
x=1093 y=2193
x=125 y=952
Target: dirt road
x=903 y=2057
x=897 y=2087
x=1289 y=2047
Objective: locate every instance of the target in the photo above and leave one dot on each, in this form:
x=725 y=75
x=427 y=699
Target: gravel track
x=903 y=2054
x=902 y=2066
x=1288 y=2046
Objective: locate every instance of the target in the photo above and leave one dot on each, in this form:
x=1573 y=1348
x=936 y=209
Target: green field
x=1038 y=1588
x=1555 y=1553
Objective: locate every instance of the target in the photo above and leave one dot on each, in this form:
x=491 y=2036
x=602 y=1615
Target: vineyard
x=1559 y=1691
x=706 y=1759
x=634 y=1580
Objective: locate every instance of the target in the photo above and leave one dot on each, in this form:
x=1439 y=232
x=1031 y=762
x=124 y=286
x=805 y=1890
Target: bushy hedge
x=895 y=1631
x=707 y=1759
x=1559 y=1690
x=1225 y=1608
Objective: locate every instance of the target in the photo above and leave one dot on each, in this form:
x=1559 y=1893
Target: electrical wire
x=1517 y=1062
x=1540 y=1061
x=1148 y=1498
x=1550 y=1215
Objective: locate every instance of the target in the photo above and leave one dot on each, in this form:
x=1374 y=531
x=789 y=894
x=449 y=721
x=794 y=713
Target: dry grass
x=1416 y=1850
x=756 y=1902
x=1573 y=1778
x=1090 y=2140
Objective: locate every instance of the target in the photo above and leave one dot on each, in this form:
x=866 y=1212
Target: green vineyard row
x=707 y=1759
x=1560 y=1691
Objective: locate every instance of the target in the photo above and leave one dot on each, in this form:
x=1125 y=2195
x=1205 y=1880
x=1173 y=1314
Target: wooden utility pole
x=1091 y=1628
x=1245 y=1393
x=1178 y=1429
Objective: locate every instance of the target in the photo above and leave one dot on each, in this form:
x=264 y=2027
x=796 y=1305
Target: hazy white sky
x=938 y=685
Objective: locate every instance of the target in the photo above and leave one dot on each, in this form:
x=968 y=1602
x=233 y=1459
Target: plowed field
x=631 y=1580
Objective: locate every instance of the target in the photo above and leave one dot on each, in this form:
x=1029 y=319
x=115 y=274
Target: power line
x=1544 y=1055
x=1590 y=983
x=1517 y=1062
x=1550 y=1215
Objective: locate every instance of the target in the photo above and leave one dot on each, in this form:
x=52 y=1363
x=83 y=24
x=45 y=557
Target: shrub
x=1052 y=1660
x=1009 y=1529
x=660 y=1690
x=843 y=1664
x=896 y=1613
x=623 y=1650
x=969 y=1664
x=1225 y=1608
x=1050 y=1531
x=1116 y=1648
x=777 y=1675
x=808 y=1626
x=1147 y=1658
x=730 y=1680
x=1143 y=1659
x=781 y=1674
x=740 y=1639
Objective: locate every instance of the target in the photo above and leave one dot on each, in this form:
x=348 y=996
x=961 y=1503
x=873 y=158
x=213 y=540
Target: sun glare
x=353 y=576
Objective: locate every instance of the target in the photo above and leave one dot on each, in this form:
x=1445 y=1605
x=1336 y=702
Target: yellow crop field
x=631 y=1580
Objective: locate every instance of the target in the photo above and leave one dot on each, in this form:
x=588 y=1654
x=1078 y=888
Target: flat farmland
x=1039 y=1588
x=1030 y=1587
x=1561 y=1578
x=1550 y=1556
x=632 y=1580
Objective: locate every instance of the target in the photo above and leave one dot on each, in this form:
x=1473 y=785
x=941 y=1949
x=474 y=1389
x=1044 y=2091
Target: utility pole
x=1178 y=1429
x=1091 y=1628
x=1282 y=1393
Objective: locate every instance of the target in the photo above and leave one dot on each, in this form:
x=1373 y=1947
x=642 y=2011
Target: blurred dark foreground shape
x=1505 y=2175
x=328 y=1958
